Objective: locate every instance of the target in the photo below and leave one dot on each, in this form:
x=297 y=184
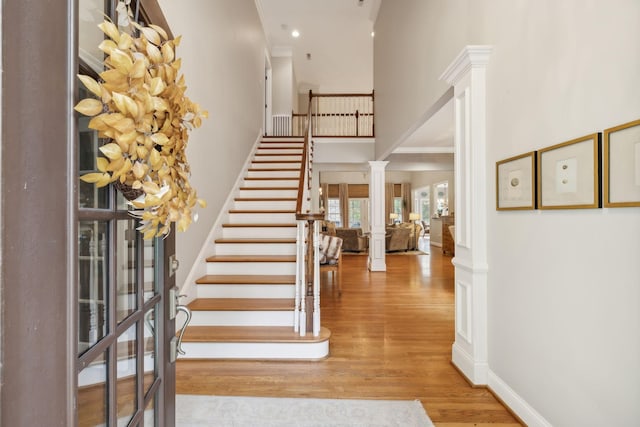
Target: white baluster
x=303 y=286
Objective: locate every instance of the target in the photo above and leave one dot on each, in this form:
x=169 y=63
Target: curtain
x=406 y=200
x=343 y=194
x=388 y=201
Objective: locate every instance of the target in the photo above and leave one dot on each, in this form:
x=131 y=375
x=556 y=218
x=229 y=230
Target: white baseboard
x=516 y=403
x=475 y=372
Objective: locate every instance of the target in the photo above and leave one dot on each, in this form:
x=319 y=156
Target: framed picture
x=569 y=174
x=622 y=165
x=516 y=183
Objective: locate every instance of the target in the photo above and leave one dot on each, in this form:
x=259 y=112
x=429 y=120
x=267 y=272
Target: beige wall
x=283 y=83
x=222 y=53
x=563 y=286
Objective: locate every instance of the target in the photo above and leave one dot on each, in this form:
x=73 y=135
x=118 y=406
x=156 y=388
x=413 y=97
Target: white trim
x=476 y=372
x=343 y=140
x=424 y=150
x=471 y=56
x=472 y=268
x=299 y=350
x=515 y=402
x=199 y=267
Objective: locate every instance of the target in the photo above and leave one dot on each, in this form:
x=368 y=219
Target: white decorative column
x=467 y=74
x=376 y=217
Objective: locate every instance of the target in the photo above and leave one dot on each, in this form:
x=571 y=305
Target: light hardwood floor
x=391 y=339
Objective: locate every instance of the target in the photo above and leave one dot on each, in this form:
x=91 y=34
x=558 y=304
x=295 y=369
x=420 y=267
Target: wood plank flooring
x=391 y=339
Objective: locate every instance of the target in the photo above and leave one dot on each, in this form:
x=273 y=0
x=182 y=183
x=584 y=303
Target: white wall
x=222 y=53
x=563 y=286
x=283 y=82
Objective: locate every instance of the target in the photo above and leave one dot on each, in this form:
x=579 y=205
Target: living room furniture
x=448 y=244
x=353 y=239
x=397 y=239
x=331 y=258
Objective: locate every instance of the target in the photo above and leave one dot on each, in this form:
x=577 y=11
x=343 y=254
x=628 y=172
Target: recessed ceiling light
x=373 y=33
x=295 y=33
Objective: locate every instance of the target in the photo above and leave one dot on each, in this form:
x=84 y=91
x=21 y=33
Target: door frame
x=38 y=213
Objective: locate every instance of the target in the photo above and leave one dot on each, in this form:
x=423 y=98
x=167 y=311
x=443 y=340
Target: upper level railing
x=333 y=115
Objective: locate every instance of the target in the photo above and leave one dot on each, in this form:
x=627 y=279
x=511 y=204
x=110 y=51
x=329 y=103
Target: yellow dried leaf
x=177 y=40
x=136 y=185
x=127 y=138
x=150 y=200
x=121 y=61
x=138 y=170
x=89 y=107
x=106 y=179
x=98 y=123
x=113 y=77
x=107 y=46
x=156 y=86
x=92 y=85
x=111 y=150
x=149 y=234
x=138 y=69
x=160 y=31
x=167 y=52
x=155 y=159
x=118 y=100
x=150 y=187
x=102 y=163
x=110 y=30
x=125 y=42
x=159 y=138
x=92 y=177
x=154 y=54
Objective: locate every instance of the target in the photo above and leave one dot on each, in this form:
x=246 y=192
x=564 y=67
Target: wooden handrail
x=329 y=95
x=304 y=170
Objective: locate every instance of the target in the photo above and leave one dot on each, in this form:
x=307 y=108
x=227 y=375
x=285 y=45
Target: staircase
x=245 y=304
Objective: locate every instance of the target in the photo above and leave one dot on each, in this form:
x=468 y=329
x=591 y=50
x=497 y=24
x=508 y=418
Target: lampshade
x=414 y=216
x=393 y=215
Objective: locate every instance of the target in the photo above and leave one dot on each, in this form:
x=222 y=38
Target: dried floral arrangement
x=142 y=109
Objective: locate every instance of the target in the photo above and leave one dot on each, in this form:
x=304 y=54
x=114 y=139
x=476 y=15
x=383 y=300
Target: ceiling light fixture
x=373 y=33
x=295 y=34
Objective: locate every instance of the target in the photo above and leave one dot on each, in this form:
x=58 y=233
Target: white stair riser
x=287 y=205
x=297 y=157
x=270 y=183
x=284 y=151
x=268 y=193
x=260 y=232
x=289 y=144
x=242 y=318
x=246 y=291
x=255 y=165
x=255 y=249
x=262 y=218
x=240 y=268
x=274 y=174
x=301 y=350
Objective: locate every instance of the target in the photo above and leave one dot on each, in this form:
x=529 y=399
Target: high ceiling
x=336 y=34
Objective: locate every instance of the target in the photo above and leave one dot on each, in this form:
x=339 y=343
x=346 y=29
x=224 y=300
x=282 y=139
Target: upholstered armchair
x=353 y=240
x=397 y=239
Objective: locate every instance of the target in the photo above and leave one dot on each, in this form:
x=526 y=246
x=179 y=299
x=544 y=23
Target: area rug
x=225 y=411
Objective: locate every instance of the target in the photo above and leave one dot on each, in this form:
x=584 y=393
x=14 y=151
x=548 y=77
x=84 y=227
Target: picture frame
x=622 y=165
x=516 y=183
x=569 y=174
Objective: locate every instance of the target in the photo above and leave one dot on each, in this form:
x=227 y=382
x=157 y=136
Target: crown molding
x=472 y=56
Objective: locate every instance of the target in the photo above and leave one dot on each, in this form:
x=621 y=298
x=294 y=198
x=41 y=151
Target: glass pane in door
x=126 y=373
x=92 y=394
x=150 y=348
x=93 y=287
x=127 y=262
x=149 y=275
x=150 y=413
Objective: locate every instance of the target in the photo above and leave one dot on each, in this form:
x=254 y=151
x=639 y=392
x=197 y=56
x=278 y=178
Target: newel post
x=377 y=248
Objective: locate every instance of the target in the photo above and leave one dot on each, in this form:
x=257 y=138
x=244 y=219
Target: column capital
x=378 y=165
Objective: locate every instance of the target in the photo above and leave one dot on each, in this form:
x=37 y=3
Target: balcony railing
x=332 y=115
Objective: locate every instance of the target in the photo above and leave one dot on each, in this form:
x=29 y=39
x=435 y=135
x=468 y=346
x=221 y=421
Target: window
x=442 y=198
x=333 y=212
x=359 y=214
x=397 y=207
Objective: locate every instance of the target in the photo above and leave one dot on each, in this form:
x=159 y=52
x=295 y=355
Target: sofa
x=352 y=239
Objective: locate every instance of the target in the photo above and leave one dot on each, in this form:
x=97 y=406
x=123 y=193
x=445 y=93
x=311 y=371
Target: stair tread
x=258 y=225
x=281 y=148
x=241 y=304
x=250 y=334
x=253 y=240
x=247 y=279
x=252 y=258
x=279 y=154
x=275 y=161
x=268 y=188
